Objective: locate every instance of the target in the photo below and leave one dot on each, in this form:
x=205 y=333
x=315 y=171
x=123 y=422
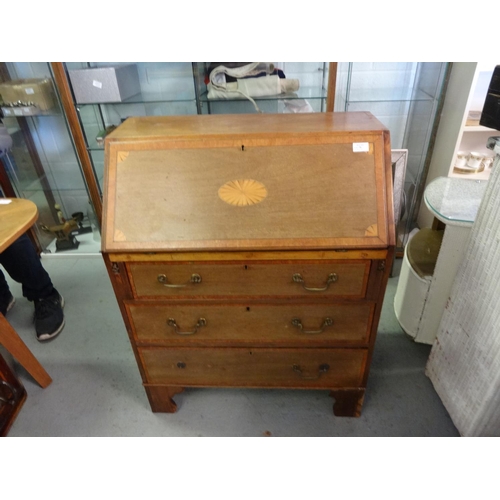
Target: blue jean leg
x=23 y=264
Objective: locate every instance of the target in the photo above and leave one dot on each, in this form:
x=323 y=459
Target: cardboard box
x=37 y=92
x=107 y=84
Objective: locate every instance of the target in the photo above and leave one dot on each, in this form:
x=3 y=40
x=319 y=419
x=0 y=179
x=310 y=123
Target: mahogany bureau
x=250 y=250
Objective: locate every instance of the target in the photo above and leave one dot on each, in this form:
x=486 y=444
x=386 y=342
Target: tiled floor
x=97 y=390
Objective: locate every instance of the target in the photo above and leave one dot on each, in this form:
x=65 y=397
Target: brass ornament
x=242 y=192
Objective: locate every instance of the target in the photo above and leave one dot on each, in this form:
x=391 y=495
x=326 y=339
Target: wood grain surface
x=15 y=219
x=250 y=279
x=154 y=128
x=319 y=186
x=243 y=367
x=207 y=289
x=252 y=323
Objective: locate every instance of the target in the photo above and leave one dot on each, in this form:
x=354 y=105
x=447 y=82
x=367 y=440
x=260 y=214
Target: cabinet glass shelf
x=302 y=93
x=19 y=112
x=145 y=98
x=388 y=95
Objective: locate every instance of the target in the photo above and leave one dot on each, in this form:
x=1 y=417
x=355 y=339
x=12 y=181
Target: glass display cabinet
x=41 y=164
x=313 y=79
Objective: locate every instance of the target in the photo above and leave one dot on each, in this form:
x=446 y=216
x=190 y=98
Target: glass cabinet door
x=42 y=164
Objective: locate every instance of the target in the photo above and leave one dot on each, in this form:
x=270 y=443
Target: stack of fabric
x=257 y=79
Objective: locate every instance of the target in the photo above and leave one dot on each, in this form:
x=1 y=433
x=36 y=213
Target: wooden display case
x=250 y=250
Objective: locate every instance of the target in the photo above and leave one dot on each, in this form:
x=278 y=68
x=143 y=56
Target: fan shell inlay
x=242 y=192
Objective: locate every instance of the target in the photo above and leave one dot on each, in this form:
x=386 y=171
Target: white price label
x=29 y=91
x=361 y=147
x=97 y=84
x=18 y=112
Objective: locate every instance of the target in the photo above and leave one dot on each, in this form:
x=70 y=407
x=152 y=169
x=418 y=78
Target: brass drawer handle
x=332 y=278
x=195 y=278
x=321 y=369
x=201 y=322
x=298 y=323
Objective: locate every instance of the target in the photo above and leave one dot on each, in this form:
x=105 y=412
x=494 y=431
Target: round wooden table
x=16 y=217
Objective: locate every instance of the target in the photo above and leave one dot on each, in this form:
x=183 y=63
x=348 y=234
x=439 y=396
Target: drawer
x=335 y=278
x=242 y=367
x=251 y=323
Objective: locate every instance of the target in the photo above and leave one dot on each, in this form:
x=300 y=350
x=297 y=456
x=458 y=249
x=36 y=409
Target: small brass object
x=195 y=279
x=323 y=368
x=298 y=323
x=332 y=278
x=201 y=322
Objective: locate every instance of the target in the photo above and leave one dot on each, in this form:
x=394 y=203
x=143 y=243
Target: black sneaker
x=49 y=317
x=6 y=305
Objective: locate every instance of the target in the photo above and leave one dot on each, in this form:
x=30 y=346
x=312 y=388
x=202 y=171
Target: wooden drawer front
x=252 y=278
x=289 y=324
x=242 y=367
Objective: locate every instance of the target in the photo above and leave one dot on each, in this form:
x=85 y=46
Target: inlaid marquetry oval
x=242 y=192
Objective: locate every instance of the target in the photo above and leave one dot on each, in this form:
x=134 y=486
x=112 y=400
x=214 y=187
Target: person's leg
x=23 y=264
x=6 y=298
x=4 y=286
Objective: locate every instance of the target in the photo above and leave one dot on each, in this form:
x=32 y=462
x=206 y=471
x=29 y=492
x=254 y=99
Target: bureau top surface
x=248 y=182
x=193 y=127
